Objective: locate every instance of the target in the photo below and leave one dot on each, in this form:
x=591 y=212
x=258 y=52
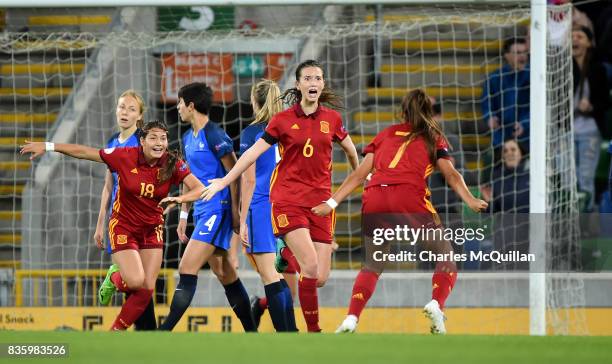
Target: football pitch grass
x=170 y=348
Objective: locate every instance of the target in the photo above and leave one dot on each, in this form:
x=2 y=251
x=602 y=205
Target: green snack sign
x=195 y=18
x=249 y=66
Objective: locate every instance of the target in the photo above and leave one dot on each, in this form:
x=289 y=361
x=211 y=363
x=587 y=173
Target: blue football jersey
x=113 y=142
x=203 y=152
x=265 y=164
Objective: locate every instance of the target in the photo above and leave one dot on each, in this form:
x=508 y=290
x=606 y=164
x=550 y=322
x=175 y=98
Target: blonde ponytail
x=267 y=95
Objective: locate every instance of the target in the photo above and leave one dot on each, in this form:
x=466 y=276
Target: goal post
x=538 y=178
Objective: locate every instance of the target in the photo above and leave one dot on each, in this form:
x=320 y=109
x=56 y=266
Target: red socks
x=119 y=283
x=131 y=310
x=293 y=265
x=443 y=281
x=363 y=288
x=310 y=302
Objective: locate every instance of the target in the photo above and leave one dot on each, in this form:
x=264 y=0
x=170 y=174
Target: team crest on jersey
x=121 y=239
x=282 y=220
x=201 y=146
x=324 y=127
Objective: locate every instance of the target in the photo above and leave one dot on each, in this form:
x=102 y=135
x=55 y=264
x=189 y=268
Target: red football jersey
x=139 y=190
x=400 y=161
x=305 y=143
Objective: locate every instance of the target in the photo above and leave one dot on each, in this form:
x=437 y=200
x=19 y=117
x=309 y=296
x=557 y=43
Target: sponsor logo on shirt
x=201 y=146
x=135 y=171
x=324 y=127
x=219 y=146
x=295 y=127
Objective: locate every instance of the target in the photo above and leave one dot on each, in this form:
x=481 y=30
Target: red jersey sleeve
x=274 y=128
x=114 y=157
x=371 y=148
x=180 y=172
x=339 y=131
x=442 y=148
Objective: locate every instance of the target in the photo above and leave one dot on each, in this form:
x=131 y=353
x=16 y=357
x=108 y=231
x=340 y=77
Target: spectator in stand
x=508 y=197
x=591 y=97
x=509 y=189
x=505 y=96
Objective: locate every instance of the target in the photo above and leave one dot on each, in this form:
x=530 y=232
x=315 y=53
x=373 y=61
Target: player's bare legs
x=216 y=266
x=324 y=253
x=151 y=264
x=194 y=257
x=223 y=267
x=292 y=281
x=264 y=265
x=233 y=251
x=130 y=269
x=300 y=243
x=303 y=249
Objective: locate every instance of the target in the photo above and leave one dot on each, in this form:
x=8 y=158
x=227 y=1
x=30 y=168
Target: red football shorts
x=412 y=207
x=286 y=218
x=123 y=237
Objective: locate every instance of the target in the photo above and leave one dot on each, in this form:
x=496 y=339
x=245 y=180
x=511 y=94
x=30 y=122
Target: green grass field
x=170 y=348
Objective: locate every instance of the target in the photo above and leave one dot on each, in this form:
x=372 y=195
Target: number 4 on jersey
x=211 y=222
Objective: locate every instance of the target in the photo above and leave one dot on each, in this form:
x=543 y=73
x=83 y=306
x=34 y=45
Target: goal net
x=63 y=87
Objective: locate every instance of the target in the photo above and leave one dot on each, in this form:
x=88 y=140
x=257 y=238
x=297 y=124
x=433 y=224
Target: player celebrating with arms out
x=401 y=158
x=209 y=153
x=136 y=225
x=129 y=114
x=305 y=134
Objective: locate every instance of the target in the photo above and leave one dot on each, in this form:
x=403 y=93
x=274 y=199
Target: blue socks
x=275 y=293
x=289 y=313
x=239 y=301
x=182 y=299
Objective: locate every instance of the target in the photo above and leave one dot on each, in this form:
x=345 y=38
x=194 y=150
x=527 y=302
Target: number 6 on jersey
x=308 y=150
